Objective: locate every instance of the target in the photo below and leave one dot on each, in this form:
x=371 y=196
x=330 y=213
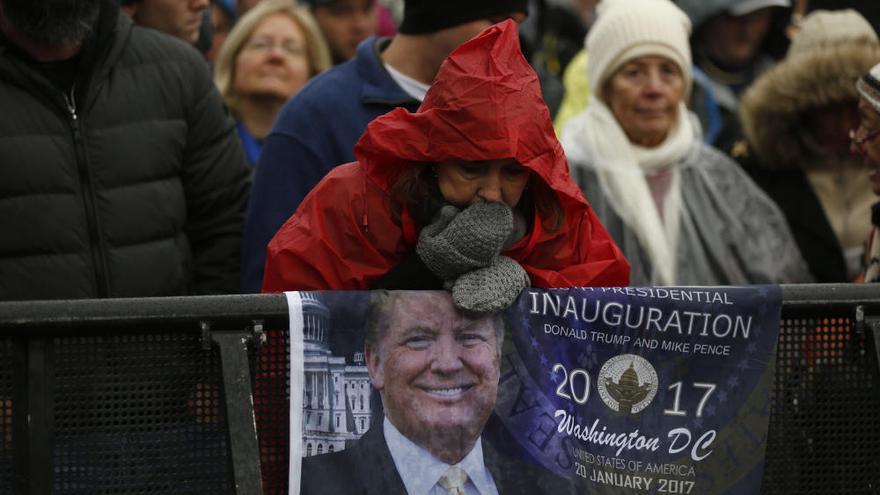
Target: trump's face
x=437 y=372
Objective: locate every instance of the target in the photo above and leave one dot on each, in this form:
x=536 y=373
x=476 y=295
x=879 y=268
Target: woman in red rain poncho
x=471 y=189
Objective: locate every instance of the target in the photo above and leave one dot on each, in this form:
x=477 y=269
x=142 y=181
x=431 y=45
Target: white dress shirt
x=410 y=86
x=420 y=470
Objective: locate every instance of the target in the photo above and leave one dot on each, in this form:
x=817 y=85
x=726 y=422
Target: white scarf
x=621 y=167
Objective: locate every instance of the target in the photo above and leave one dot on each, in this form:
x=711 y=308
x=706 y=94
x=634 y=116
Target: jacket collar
x=378 y=86
x=375 y=464
x=111 y=35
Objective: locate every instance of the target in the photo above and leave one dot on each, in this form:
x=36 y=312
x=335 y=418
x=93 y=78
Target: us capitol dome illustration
x=336 y=390
x=627 y=390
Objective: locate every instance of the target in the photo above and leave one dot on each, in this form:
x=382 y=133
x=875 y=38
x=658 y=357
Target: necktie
x=453 y=480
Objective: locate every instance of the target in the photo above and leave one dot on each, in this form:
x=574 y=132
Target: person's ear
x=374 y=367
x=131 y=9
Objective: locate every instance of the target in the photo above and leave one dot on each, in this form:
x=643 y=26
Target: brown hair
x=379 y=318
x=417 y=190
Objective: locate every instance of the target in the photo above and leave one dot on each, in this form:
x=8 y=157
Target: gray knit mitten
x=458 y=242
x=490 y=289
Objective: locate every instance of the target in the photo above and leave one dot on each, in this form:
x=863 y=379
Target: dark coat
x=367 y=468
x=790 y=189
x=131 y=184
x=812 y=232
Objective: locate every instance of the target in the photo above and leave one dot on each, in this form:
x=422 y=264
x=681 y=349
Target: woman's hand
x=460 y=241
x=490 y=289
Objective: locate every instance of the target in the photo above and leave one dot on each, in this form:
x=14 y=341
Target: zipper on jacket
x=85 y=177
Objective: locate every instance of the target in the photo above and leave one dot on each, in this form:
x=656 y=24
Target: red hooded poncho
x=485 y=104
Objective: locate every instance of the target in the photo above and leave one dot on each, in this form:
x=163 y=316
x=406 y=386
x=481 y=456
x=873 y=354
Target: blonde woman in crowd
x=273 y=50
x=682 y=212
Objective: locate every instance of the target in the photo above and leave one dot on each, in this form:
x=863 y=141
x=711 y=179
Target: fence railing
x=157 y=395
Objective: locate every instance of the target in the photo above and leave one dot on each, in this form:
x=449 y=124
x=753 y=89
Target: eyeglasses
x=857 y=144
x=288 y=47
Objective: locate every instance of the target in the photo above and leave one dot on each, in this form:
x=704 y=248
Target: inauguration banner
x=583 y=390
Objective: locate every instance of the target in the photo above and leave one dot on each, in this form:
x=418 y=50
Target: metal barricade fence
x=162 y=395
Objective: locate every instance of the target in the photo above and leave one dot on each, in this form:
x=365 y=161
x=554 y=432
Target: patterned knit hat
x=628 y=29
x=869 y=87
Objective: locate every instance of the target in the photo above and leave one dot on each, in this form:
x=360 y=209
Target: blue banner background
x=688 y=336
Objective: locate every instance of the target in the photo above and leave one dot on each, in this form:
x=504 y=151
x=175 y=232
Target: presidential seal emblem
x=627 y=383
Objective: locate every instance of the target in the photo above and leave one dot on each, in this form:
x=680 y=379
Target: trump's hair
x=379 y=318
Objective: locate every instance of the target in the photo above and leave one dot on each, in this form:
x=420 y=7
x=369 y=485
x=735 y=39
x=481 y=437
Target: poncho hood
x=485 y=104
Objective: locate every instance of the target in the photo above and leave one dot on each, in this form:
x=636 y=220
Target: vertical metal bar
x=240 y=410
x=41 y=411
x=33 y=415
x=874 y=325
x=20 y=437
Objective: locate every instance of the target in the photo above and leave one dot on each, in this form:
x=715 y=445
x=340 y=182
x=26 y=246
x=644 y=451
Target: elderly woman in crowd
x=268 y=56
x=470 y=193
x=796 y=118
x=866 y=142
x=683 y=213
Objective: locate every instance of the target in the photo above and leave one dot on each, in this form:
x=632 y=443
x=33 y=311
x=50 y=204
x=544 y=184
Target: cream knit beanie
x=628 y=29
x=823 y=27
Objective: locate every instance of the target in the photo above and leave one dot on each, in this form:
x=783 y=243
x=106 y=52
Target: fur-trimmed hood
x=772 y=110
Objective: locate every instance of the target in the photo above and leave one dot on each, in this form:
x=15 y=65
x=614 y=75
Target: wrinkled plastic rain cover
x=593 y=390
x=485 y=104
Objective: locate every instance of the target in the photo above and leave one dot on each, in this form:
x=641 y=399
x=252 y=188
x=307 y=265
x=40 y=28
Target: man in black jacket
x=120 y=172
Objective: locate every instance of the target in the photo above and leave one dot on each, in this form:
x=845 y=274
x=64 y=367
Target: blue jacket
x=315 y=131
x=249 y=143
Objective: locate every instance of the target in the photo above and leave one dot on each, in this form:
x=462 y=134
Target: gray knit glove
x=458 y=242
x=490 y=289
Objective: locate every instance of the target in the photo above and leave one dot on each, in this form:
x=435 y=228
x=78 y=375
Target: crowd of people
x=156 y=147
x=178 y=147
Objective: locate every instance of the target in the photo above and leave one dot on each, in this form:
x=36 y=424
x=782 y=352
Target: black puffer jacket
x=134 y=184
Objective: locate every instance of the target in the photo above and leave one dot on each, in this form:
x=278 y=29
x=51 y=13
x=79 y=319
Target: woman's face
x=644 y=95
x=829 y=126
x=273 y=63
x=866 y=141
x=465 y=183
